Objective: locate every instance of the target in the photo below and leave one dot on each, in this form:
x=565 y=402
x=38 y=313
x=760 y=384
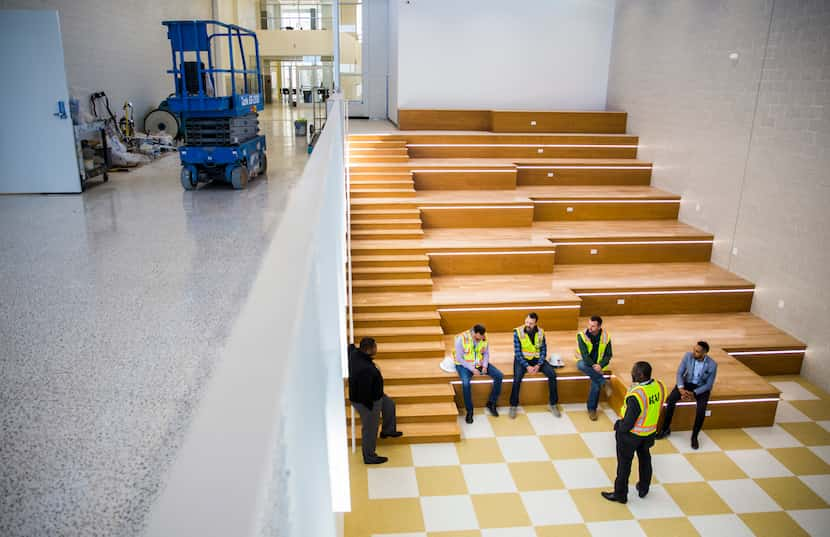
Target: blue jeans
x=597 y=380
x=467 y=375
x=518 y=374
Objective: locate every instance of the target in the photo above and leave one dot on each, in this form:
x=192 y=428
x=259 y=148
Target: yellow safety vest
x=650 y=396
x=531 y=350
x=472 y=352
x=604 y=340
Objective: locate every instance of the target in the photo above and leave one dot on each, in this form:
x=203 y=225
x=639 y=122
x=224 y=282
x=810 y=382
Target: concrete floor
x=114 y=306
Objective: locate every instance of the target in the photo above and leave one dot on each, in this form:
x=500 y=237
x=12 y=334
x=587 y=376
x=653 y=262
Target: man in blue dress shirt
x=695 y=378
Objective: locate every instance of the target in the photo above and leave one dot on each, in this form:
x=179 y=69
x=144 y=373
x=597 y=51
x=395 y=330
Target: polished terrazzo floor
x=114 y=307
x=539 y=476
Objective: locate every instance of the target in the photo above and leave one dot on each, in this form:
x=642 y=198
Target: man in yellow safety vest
x=593 y=355
x=636 y=430
x=472 y=358
x=530 y=351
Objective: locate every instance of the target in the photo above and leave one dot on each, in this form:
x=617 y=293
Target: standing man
x=593 y=356
x=695 y=378
x=635 y=431
x=366 y=394
x=530 y=351
x=472 y=358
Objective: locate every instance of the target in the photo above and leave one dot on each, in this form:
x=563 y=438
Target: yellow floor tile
x=399 y=454
x=668 y=527
x=530 y=476
x=715 y=465
x=565 y=530
x=810 y=386
x=791 y=493
x=566 y=446
x=500 y=510
x=609 y=464
x=800 y=461
x=479 y=451
x=816 y=409
x=773 y=524
x=504 y=426
x=697 y=498
x=596 y=509
x=732 y=439
x=584 y=424
x=663 y=447
x=440 y=481
x=400 y=515
x=808 y=433
x=468 y=533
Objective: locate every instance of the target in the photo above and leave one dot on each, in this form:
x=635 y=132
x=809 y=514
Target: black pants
x=627 y=445
x=370 y=419
x=518 y=374
x=700 y=399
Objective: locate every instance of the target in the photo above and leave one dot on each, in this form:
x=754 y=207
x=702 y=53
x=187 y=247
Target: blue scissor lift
x=221 y=133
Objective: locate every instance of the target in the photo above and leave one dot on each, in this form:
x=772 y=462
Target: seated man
x=530 y=351
x=593 y=356
x=366 y=394
x=472 y=358
x=695 y=378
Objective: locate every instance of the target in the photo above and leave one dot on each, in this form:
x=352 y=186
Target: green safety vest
x=604 y=340
x=473 y=352
x=651 y=397
x=531 y=350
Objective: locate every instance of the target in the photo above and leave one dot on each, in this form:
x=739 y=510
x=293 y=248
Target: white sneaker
x=554 y=409
x=512 y=412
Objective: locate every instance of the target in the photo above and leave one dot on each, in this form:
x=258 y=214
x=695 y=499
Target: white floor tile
x=793 y=391
x=601 y=444
x=822 y=451
x=682 y=440
x=674 y=468
x=616 y=528
x=488 y=478
x=658 y=503
x=551 y=507
x=720 y=526
x=392 y=483
x=509 y=532
x=820 y=485
x=825 y=424
x=480 y=428
x=582 y=474
x=434 y=454
x=744 y=496
x=574 y=407
x=814 y=521
x=545 y=423
x=522 y=448
x=448 y=513
x=787 y=413
x=772 y=437
x=758 y=463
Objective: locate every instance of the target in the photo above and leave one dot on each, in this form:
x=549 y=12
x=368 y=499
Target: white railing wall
x=266 y=452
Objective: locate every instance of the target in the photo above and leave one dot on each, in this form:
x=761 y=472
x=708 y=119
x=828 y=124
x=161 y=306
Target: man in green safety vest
x=636 y=430
x=530 y=351
x=593 y=356
x=472 y=358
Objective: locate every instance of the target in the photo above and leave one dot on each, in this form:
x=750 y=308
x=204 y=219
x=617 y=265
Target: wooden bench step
x=397 y=318
x=392 y=334
x=380 y=183
x=377 y=158
x=420 y=433
x=392 y=286
x=387 y=234
x=415 y=393
x=390 y=261
x=383 y=193
x=411 y=350
x=419 y=412
x=386 y=223
x=391 y=273
x=360 y=215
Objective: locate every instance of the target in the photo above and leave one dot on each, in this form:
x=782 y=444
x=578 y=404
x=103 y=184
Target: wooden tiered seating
x=492 y=214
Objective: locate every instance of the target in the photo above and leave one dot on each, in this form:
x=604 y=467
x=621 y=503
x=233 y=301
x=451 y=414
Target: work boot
x=377 y=459
x=663 y=434
x=492 y=408
x=695 y=443
x=394 y=434
x=554 y=409
x=469 y=418
x=641 y=491
x=512 y=412
x=612 y=498
x=592 y=414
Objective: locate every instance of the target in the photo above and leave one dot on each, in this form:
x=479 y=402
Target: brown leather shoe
x=593 y=415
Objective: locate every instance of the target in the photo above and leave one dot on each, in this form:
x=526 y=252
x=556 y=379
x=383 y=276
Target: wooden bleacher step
x=440 y=392
x=413 y=371
x=397 y=318
x=378 y=158
x=390 y=261
x=584 y=172
x=391 y=273
x=356 y=143
x=377 y=151
x=373 y=184
x=387 y=223
x=392 y=286
x=360 y=215
x=411 y=349
x=419 y=433
x=383 y=193
x=395 y=233
x=420 y=412
x=399 y=334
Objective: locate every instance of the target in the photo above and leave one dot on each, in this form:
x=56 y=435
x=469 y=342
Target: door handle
x=61 y=113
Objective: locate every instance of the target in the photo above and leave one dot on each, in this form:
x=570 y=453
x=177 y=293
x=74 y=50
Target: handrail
x=266 y=450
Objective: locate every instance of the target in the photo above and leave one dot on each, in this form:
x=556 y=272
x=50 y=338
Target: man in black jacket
x=366 y=394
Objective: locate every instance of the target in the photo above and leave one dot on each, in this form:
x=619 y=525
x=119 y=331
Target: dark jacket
x=365 y=380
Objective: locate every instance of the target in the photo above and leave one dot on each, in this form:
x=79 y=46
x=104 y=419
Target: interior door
x=38 y=144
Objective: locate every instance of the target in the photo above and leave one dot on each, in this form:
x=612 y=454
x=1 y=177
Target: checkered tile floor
x=539 y=476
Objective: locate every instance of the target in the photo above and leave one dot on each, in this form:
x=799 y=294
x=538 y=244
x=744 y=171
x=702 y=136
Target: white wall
x=492 y=54
x=295 y=42
x=118 y=47
x=392 y=64
x=376 y=70
x=743 y=141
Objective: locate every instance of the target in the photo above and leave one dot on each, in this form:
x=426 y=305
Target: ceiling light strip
x=510 y=308
x=677 y=292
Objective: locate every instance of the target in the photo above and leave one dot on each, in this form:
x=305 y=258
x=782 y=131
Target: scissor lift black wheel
x=189 y=177
x=237 y=175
